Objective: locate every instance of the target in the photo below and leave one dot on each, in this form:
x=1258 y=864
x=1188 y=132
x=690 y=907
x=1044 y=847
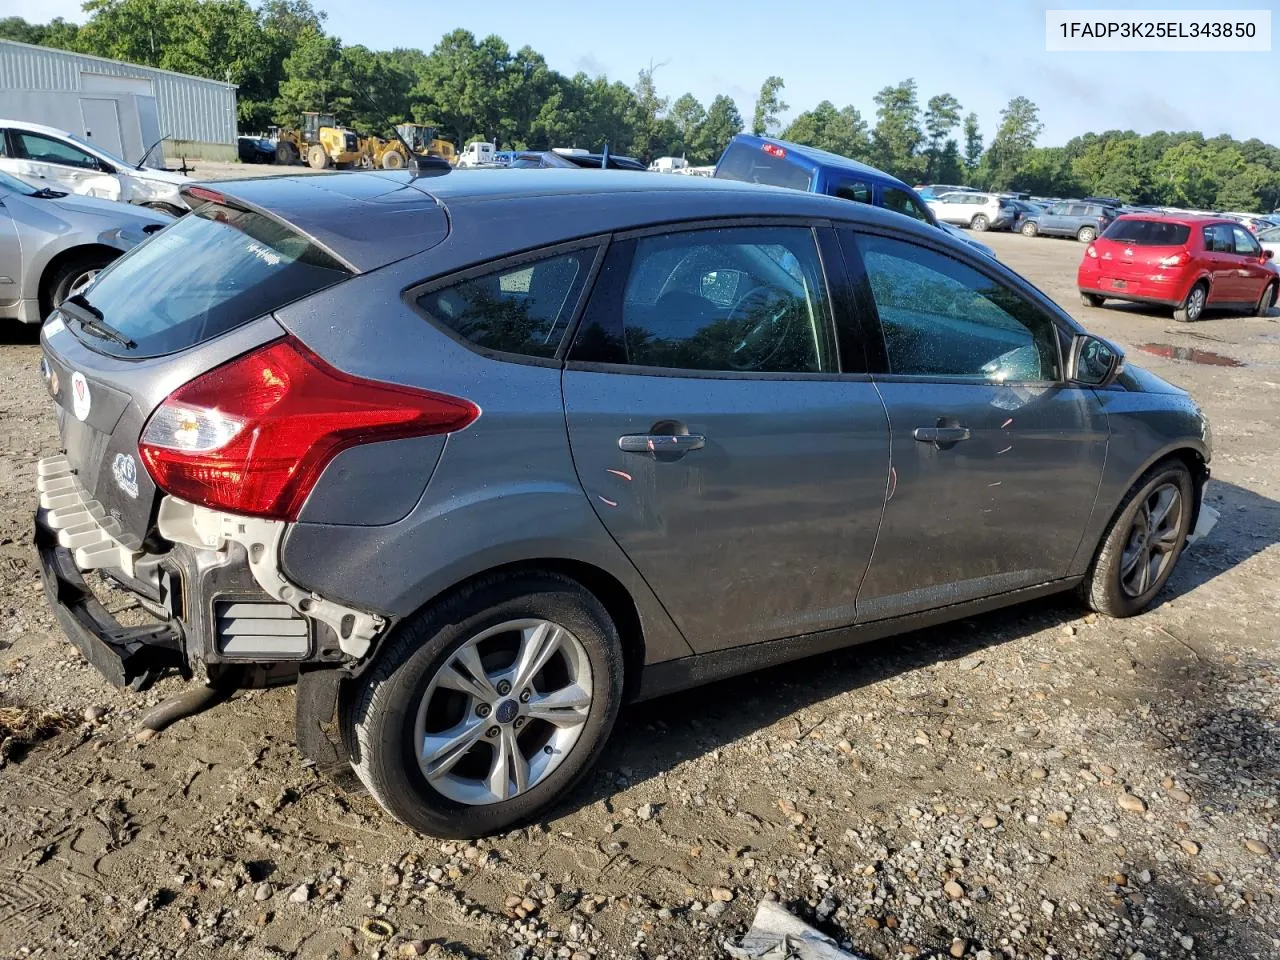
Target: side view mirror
x=1267 y=254
x=1094 y=361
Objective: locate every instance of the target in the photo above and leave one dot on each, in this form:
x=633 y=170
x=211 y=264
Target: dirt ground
x=1034 y=783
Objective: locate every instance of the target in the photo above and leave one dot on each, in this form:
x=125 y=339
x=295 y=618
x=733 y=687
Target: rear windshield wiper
x=95 y=323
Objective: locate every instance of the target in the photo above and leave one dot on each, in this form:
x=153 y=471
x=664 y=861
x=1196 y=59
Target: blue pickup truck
x=780 y=163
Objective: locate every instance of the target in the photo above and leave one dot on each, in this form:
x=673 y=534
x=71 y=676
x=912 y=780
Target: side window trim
x=619 y=244
x=410 y=294
x=881 y=370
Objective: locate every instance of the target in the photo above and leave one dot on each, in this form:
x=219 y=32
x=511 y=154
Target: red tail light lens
x=1091 y=251
x=1177 y=260
x=254 y=435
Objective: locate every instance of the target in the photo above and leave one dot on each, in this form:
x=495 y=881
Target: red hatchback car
x=1187 y=262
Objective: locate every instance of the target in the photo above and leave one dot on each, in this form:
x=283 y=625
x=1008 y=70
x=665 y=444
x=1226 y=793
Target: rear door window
x=1219 y=239
x=737 y=299
x=853 y=190
x=205 y=274
x=523 y=308
x=899 y=201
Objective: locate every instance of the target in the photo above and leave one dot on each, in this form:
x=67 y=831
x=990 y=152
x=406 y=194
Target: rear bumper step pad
x=127 y=656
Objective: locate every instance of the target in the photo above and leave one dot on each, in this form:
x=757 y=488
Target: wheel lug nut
x=492 y=732
x=519 y=722
x=504 y=688
x=525 y=694
x=483 y=710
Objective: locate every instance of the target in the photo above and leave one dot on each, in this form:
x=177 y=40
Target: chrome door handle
x=941 y=434
x=658 y=443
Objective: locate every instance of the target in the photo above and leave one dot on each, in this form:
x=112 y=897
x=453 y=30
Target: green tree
x=689 y=115
x=768 y=106
x=950 y=167
x=1019 y=127
x=56 y=33
x=972 y=144
x=723 y=123
x=941 y=116
x=840 y=131
x=897 y=136
x=310 y=76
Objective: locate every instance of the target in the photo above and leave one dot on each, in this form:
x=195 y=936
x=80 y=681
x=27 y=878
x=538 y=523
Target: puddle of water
x=1189 y=354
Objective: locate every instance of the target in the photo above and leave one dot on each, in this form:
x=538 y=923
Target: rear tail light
x=1091 y=251
x=254 y=435
x=1177 y=260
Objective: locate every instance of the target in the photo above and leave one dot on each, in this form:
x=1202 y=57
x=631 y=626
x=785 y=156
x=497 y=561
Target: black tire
x=1087 y=234
x=1102 y=590
x=378 y=719
x=1030 y=229
x=1192 y=308
x=392 y=160
x=317 y=158
x=58 y=282
x=1266 y=301
x=286 y=153
x=980 y=223
x=1091 y=299
x=168 y=208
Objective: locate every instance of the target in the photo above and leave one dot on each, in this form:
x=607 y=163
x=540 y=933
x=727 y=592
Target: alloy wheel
x=502 y=711
x=1195 y=303
x=1152 y=542
x=82 y=281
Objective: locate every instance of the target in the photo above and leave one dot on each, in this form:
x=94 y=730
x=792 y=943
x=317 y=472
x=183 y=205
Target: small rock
x=1133 y=804
x=348 y=950
x=1106 y=770
x=145 y=735
x=1047 y=908
x=263 y=891
x=301 y=893
x=1177 y=793
x=1189 y=847
x=844 y=746
x=435 y=874
x=1059 y=818
x=716 y=909
x=414 y=948
x=646 y=811
x=94 y=714
x=390 y=877
x=721 y=893
x=1038 y=773
x=1186 y=942
x=953 y=889
x=143 y=905
x=958 y=947
x=1257 y=846
x=989 y=822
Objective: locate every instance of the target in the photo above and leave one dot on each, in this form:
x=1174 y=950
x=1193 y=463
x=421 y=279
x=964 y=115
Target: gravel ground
x=1034 y=783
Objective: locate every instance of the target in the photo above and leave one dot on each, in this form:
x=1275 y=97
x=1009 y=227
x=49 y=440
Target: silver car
x=52 y=244
x=477 y=458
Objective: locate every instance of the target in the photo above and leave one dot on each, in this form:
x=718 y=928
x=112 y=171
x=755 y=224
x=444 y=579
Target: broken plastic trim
x=203 y=528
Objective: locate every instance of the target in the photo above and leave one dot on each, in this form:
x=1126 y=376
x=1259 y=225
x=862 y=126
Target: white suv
x=47 y=156
x=980 y=211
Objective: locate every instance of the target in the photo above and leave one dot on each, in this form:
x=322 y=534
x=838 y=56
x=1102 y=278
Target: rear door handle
x=941 y=434
x=660 y=443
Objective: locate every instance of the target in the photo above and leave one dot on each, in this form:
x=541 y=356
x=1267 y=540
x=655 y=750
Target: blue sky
x=845 y=50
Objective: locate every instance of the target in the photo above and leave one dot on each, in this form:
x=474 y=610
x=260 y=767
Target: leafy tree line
x=285 y=62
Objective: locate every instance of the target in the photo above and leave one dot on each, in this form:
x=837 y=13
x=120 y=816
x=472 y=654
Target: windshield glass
x=744 y=162
x=209 y=272
x=13 y=185
x=1147 y=233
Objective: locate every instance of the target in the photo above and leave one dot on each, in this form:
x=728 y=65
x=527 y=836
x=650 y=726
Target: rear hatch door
x=1141 y=249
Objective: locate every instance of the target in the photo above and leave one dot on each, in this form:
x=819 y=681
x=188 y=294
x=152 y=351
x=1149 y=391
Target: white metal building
x=123 y=107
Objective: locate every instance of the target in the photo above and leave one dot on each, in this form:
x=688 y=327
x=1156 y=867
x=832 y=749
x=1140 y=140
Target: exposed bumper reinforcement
x=127 y=656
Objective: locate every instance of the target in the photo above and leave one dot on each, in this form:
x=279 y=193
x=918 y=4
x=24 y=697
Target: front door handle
x=941 y=435
x=661 y=443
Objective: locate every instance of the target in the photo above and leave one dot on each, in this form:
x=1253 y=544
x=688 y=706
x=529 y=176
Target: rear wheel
x=1087 y=234
x=1091 y=299
x=286 y=153
x=1193 y=306
x=70 y=277
x=980 y=223
x=1266 y=301
x=1144 y=542
x=484 y=710
x=317 y=159
x=1030 y=229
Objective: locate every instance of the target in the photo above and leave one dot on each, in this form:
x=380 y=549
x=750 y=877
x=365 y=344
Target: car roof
x=1186 y=219
x=371 y=218
x=813 y=157
x=36 y=128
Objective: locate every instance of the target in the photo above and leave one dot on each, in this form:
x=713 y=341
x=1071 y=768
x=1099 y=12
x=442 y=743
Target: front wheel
x=1087 y=234
x=1030 y=229
x=483 y=711
x=1144 y=542
x=980 y=223
x=317 y=158
x=1266 y=301
x=70 y=277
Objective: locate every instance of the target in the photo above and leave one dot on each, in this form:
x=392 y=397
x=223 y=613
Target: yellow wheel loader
x=320 y=141
x=391 y=155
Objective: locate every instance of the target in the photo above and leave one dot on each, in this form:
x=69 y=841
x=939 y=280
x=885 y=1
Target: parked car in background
x=53 y=244
x=1114 y=202
x=255 y=150
x=1022 y=210
x=736 y=426
x=1069 y=218
x=1254 y=222
x=562 y=160
x=977 y=211
x=1270 y=240
x=779 y=163
x=1185 y=262
x=934 y=190
x=64 y=161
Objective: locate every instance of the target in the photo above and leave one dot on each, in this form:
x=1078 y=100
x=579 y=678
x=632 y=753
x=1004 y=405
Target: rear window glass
x=521 y=309
x=205 y=274
x=1147 y=233
x=744 y=162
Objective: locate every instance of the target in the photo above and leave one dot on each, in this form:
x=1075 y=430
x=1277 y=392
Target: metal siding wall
x=190 y=108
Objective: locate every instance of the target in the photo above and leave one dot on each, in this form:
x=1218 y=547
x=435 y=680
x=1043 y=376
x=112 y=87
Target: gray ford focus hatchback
x=477 y=458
